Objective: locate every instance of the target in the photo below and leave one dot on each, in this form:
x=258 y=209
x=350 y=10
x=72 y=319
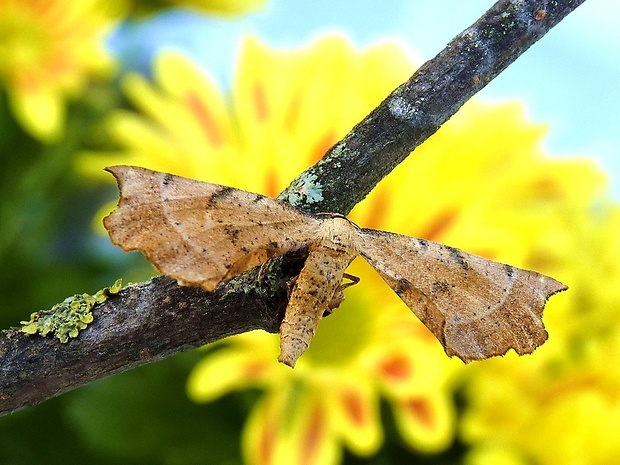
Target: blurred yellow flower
x=481 y=183
x=222 y=8
x=49 y=49
x=565 y=406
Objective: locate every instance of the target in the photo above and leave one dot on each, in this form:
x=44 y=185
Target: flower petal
x=234 y=367
x=427 y=422
x=288 y=427
x=49 y=51
x=354 y=404
x=227 y=7
x=39 y=110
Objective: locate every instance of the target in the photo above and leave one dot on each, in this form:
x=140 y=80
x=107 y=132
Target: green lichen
x=305 y=190
x=66 y=319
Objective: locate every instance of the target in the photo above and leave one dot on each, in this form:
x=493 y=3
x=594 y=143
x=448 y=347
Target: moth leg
x=290 y=286
x=339 y=296
x=354 y=280
x=261 y=272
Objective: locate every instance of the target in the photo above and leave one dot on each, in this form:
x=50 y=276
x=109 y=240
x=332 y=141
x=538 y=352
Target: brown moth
x=202 y=234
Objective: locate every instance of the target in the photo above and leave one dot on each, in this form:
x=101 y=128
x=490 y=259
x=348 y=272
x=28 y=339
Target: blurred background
x=84 y=85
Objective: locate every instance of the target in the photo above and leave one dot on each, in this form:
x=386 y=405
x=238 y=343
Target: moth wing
x=200 y=233
x=477 y=308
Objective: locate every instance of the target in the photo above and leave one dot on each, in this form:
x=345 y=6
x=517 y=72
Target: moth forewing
x=201 y=233
x=477 y=308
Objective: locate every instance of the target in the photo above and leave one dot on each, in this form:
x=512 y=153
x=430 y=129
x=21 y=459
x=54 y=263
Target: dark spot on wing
x=403 y=286
x=423 y=245
x=222 y=192
x=167 y=178
x=457 y=256
x=441 y=286
x=509 y=271
x=259 y=198
x=232 y=232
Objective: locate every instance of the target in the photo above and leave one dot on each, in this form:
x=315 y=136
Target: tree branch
x=416 y=109
x=158 y=318
x=143 y=323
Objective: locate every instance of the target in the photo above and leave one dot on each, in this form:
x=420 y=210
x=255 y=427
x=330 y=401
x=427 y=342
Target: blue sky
x=568 y=79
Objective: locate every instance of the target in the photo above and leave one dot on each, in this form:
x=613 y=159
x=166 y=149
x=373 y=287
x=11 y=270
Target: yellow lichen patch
x=66 y=319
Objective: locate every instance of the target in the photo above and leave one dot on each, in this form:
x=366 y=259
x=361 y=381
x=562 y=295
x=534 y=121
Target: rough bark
x=143 y=323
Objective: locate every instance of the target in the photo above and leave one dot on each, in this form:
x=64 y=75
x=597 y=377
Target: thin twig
x=416 y=109
x=158 y=318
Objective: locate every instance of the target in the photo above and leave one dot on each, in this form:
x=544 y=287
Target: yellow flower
x=49 y=49
x=194 y=130
x=564 y=405
x=546 y=413
x=481 y=183
x=222 y=7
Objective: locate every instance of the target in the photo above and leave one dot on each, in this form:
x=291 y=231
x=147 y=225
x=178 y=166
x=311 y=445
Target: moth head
x=338 y=233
